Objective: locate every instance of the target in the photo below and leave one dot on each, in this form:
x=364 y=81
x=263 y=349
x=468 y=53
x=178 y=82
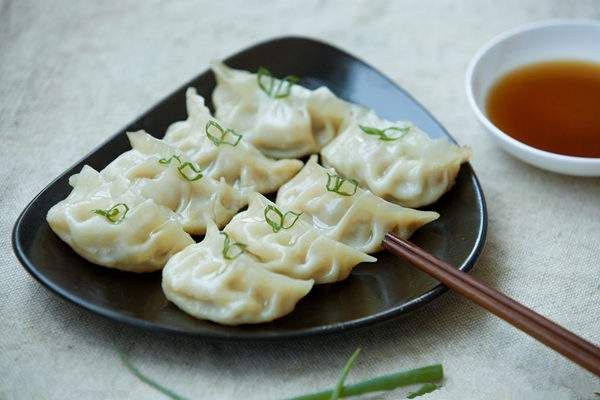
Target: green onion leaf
x=277 y=220
x=382 y=135
x=275 y=88
x=231 y=249
x=386 y=382
x=426 y=388
x=115 y=214
x=148 y=381
x=194 y=175
x=339 y=385
x=340 y=185
x=218 y=135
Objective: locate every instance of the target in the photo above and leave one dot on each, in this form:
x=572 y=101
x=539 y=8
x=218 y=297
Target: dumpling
x=157 y=171
x=395 y=160
x=280 y=118
x=287 y=245
x=234 y=290
x=341 y=210
x=107 y=224
x=221 y=152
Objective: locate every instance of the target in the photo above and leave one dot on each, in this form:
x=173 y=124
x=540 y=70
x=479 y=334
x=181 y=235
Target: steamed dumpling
x=236 y=160
x=296 y=125
x=164 y=183
x=410 y=169
x=206 y=285
x=139 y=237
x=296 y=249
x=359 y=219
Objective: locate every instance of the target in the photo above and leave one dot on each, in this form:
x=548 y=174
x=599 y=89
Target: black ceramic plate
x=373 y=292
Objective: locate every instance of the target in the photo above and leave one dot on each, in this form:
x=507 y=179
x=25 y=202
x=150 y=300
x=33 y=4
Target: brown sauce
x=553 y=106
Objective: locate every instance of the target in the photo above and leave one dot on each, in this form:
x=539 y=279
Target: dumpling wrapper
x=299 y=251
x=242 y=166
x=191 y=200
x=142 y=241
x=412 y=171
x=360 y=220
x=294 y=126
x=201 y=282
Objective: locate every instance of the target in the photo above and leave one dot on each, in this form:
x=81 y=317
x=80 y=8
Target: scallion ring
x=194 y=175
x=277 y=220
x=167 y=161
x=231 y=249
x=275 y=88
x=382 y=135
x=338 y=184
x=221 y=135
x=115 y=214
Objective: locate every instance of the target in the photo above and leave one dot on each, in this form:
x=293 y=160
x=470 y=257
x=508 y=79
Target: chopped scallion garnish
x=219 y=135
x=382 y=133
x=273 y=87
x=194 y=175
x=115 y=214
x=340 y=185
x=231 y=249
x=278 y=220
x=167 y=161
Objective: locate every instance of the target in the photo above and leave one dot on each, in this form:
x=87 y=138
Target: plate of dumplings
x=252 y=203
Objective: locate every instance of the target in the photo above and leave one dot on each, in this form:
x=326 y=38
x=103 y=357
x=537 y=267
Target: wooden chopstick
x=551 y=326
x=552 y=335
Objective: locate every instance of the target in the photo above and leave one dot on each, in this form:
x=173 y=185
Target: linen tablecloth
x=74 y=72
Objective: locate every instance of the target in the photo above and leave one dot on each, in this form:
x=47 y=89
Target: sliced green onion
x=220 y=136
x=339 y=385
x=194 y=175
x=277 y=220
x=291 y=222
x=115 y=214
x=275 y=88
x=265 y=80
x=340 y=185
x=381 y=133
x=231 y=249
x=148 y=381
x=386 y=382
x=167 y=161
x=426 y=388
x=273 y=217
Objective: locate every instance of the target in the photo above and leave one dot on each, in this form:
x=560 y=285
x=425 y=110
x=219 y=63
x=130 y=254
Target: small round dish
x=542 y=41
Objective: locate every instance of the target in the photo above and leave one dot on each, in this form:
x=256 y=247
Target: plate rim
x=370 y=320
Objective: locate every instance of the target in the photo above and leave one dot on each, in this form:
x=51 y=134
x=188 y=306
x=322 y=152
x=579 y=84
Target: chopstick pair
x=549 y=333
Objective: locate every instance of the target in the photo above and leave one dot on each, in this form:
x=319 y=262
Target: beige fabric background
x=72 y=73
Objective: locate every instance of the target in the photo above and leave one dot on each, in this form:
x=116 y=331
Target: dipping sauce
x=553 y=106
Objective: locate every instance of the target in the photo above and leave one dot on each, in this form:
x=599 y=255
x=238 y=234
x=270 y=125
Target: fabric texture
x=74 y=72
